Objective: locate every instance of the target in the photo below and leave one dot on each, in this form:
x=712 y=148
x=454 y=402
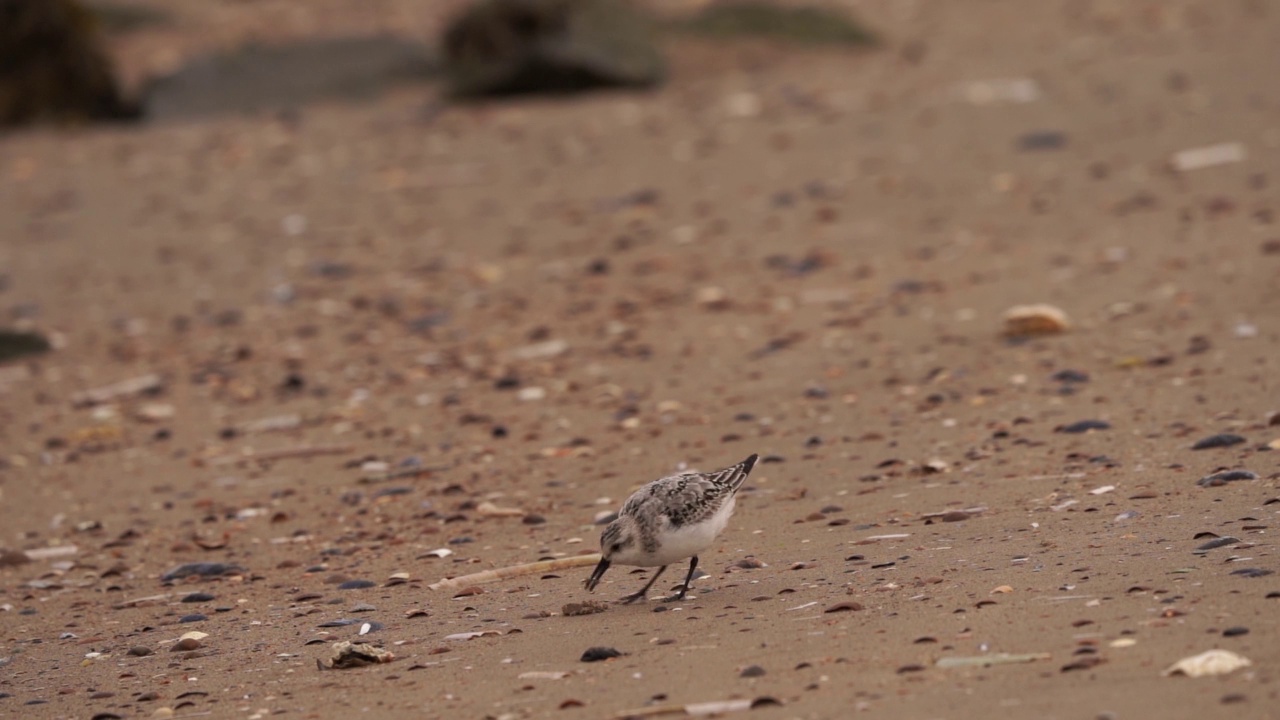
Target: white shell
x=1210 y=662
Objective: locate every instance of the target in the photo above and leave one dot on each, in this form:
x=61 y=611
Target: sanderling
x=668 y=520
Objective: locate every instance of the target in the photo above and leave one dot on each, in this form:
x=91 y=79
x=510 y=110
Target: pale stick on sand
x=511 y=571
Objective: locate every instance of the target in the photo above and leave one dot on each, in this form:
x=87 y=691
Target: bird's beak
x=597 y=574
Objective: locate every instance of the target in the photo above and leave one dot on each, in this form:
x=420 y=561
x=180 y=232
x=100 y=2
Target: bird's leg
x=693 y=565
x=644 y=591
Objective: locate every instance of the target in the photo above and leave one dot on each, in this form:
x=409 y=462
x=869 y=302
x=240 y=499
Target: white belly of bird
x=676 y=544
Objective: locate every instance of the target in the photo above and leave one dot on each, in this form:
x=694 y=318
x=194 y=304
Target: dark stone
x=203 y=569
x=196 y=597
x=597 y=654
x=1219 y=479
x=751 y=671
x=1083 y=426
x=53 y=67
x=356 y=585
x=194 y=618
x=14 y=344
x=1220 y=440
x=507 y=47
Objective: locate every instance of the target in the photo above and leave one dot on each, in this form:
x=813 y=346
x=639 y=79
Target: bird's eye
x=616 y=547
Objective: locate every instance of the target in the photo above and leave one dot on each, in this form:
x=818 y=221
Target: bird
x=668 y=520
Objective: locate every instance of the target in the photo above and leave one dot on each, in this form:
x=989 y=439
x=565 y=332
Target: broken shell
x=1210 y=662
x=1028 y=320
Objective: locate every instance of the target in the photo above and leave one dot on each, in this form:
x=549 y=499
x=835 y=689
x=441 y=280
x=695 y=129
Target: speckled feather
x=686 y=498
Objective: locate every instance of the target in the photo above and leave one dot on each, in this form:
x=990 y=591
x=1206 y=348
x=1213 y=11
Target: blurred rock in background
x=798 y=25
x=53 y=67
x=505 y=47
x=260 y=78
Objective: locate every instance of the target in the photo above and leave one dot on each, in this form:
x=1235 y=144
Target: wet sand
x=542 y=304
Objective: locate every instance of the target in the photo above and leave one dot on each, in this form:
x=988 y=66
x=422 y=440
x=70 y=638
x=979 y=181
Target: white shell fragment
x=1208 y=156
x=1027 y=320
x=1210 y=662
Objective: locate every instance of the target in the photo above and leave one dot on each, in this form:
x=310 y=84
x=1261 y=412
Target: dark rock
x=14 y=344
x=53 y=67
x=1220 y=440
x=1219 y=479
x=597 y=654
x=751 y=671
x=1235 y=631
x=203 y=569
x=194 y=618
x=505 y=47
x=1252 y=572
x=1083 y=426
x=356 y=584
x=196 y=597
x=1070 y=376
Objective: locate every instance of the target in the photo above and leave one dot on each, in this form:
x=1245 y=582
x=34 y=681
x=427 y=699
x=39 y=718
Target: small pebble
x=195 y=617
x=140 y=651
x=356 y=584
x=1220 y=440
x=196 y=597
x=1235 y=631
x=1083 y=426
x=751 y=671
x=202 y=569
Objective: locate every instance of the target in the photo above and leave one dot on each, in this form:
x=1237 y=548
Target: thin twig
x=511 y=571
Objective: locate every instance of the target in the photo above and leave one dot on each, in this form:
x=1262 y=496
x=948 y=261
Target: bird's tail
x=735 y=475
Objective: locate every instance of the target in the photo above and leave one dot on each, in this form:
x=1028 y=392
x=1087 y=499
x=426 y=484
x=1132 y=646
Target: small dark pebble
x=533 y=520
x=461 y=540
x=910 y=668
x=1083 y=426
x=340 y=622
x=772 y=459
x=1252 y=572
x=1273 y=595
x=765 y=701
x=1235 y=631
x=195 y=617
x=1219 y=479
x=1220 y=440
x=357 y=584
x=27 y=611
x=1216 y=543
x=37 y=701
x=203 y=569
x=813 y=442
x=140 y=651
x=1070 y=376
x=597 y=654
x=1233 y=698
x=1042 y=140
x=844 y=607
x=751 y=671
x=107 y=716
x=390 y=491
x=196 y=597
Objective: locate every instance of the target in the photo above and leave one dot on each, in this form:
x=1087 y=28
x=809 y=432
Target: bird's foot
x=677 y=597
x=642 y=595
